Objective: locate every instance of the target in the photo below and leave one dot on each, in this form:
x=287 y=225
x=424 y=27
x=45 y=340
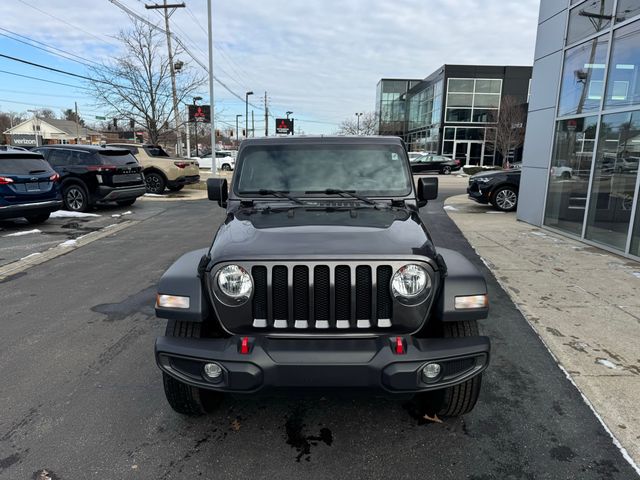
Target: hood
x=494 y=173
x=309 y=232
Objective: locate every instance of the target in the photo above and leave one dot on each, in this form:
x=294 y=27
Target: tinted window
x=59 y=158
x=115 y=157
x=155 y=151
x=131 y=148
x=10 y=165
x=379 y=170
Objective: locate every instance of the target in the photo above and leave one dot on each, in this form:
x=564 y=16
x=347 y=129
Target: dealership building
x=582 y=146
x=453 y=111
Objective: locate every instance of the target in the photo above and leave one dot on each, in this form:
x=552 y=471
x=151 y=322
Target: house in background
x=47 y=131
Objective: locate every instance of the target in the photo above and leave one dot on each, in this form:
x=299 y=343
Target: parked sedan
x=435 y=163
x=500 y=188
x=29 y=187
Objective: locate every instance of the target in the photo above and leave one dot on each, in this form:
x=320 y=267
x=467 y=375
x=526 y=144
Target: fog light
x=430 y=371
x=212 y=371
x=471 y=301
x=172 y=301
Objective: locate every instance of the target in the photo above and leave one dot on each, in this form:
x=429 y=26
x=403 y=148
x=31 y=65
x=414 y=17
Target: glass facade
x=425 y=108
x=593 y=185
x=390 y=105
x=472 y=100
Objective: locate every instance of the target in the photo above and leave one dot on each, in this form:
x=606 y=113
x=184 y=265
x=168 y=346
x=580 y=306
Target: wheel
x=40 y=218
x=226 y=167
x=565 y=176
x=446 y=170
x=505 y=199
x=154 y=182
x=75 y=198
x=459 y=399
x=184 y=398
x=176 y=188
x=126 y=203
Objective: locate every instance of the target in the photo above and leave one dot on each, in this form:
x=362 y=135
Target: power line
x=44 y=80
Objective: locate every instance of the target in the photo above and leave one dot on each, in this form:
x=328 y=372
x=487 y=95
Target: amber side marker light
x=472 y=301
x=172 y=301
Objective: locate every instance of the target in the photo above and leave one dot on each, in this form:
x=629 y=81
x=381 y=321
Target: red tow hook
x=399 y=346
x=244 y=346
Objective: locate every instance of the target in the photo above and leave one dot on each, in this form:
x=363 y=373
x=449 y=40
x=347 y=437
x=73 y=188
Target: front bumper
x=19 y=209
x=305 y=363
x=111 y=194
x=184 y=180
x=475 y=193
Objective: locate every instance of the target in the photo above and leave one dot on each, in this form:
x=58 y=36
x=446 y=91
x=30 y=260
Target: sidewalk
x=582 y=301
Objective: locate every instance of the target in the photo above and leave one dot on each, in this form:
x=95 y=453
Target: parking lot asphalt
x=82 y=397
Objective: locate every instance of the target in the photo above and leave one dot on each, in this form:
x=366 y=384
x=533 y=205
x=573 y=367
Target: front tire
x=75 y=198
x=225 y=167
x=154 y=183
x=446 y=170
x=183 y=398
x=505 y=199
x=37 y=219
x=459 y=399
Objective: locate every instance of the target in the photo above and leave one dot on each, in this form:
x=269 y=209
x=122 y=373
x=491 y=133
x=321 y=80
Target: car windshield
x=369 y=170
x=17 y=165
x=420 y=159
x=155 y=151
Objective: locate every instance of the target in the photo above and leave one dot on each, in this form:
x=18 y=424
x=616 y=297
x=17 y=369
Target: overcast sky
x=321 y=59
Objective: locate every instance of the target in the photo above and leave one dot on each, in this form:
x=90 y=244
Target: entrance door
x=468 y=151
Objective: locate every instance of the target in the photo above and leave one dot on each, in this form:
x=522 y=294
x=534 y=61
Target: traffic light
x=115 y=123
x=132 y=123
x=244 y=133
x=231 y=132
x=217 y=133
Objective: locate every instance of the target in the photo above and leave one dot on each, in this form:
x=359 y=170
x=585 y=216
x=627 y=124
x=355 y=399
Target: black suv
x=29 y=187
x=91 y=174
x=322 y=275
x=499 y=187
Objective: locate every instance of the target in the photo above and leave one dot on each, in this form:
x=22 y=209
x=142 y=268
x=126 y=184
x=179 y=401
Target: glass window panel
x=623 y=87
x=485 y=115
x=460 y=100
x=614 y=180
x=469 y=133
x=460 y=85
x=486 y=101
x=582 y=76
x=447 y=148
x=488 y=86
x=589 y=18
x=569 y=174
x=449 y=133
x=627 y=9
x=458 y=114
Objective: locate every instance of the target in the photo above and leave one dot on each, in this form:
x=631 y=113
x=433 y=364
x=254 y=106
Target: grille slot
x=321 y=297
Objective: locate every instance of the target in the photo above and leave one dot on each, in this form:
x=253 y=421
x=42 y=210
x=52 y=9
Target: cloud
x=320 y=58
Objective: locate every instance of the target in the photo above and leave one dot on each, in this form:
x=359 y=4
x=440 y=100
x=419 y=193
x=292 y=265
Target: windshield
x=23 y=165
x=155 y=151
x=370 y=170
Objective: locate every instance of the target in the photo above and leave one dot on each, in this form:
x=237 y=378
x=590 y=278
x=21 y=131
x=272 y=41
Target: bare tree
x=137 y=85
x=368 y=125
x=10 y=119
x=509 y=128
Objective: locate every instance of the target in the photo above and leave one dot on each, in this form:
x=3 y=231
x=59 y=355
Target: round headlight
x=410 y=281
x=235 y=282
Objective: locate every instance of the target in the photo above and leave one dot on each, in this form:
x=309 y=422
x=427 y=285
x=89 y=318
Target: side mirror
x=217 y=190
x=427 y=190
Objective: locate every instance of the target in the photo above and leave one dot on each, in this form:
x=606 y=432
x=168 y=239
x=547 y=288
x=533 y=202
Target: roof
x=12 y=153
x=83 y=148
x=326 y=139
x=69 y=127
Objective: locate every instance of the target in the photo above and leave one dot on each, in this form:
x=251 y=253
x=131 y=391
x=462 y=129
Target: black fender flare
x=183 y=278
x=462 y=278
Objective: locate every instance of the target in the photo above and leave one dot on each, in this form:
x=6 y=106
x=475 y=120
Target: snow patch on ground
x=607 y=363
x=451 y=208
x=68 y=214
x=31 y=255
x=24 y=232
x=491 y=211
x=68 y=243
x=152 y=195
x=636 y=274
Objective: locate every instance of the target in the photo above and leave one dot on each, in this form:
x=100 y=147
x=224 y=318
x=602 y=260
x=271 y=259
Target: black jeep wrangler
x=322 y=275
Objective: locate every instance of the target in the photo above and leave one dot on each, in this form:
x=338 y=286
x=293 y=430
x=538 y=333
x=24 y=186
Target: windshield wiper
x=275 y=193
x=348 y=193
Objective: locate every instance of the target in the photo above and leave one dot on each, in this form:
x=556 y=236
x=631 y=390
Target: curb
x=13 y=268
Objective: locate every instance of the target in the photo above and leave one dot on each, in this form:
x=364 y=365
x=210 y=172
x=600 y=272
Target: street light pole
x=237 y=136
x=358 y=115
x=213 y=117
x=288 y=113
x=246 y=114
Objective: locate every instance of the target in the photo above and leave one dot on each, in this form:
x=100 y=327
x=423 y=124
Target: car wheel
x=155 y=183
x=126 y=203
x=75 y=198
x=226 y=167
x=446 y=170
x=565 y=176
x=40 y=218
x=505 y=199
x=184 y=398
x=176 y=188
x=459 y=399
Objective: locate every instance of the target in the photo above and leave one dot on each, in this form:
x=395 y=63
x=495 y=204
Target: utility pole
x=77 y=124
x=237 y=134
x=253 y=125
x=358 y=115
x=266 y=116
x=176 y=112
x=246 y=114
x=213 y=117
